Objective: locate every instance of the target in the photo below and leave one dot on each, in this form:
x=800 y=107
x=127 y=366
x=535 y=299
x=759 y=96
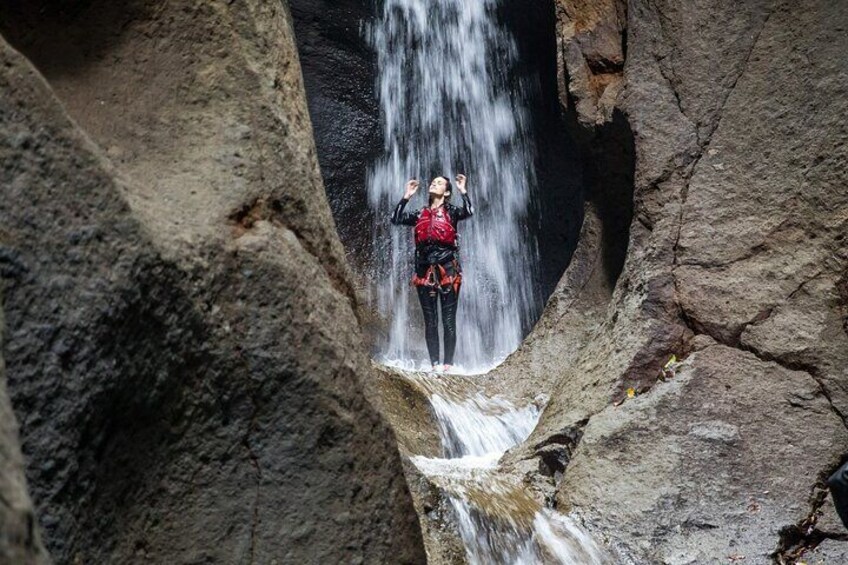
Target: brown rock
x=182 y=349
x=709 y=464
x=591 y=56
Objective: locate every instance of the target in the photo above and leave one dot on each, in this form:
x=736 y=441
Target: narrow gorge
x=211 y=352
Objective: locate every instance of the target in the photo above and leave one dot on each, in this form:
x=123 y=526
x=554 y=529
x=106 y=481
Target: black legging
x=429 y=297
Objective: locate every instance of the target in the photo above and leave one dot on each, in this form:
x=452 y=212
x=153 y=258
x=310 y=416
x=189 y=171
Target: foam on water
x=423 y=366
x=482 y=426
x=498 y=521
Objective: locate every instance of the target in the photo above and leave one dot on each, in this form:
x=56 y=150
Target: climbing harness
x=437 y=278
x=434 y=226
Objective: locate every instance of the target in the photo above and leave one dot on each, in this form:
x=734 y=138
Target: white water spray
x=447 y=109
x=498 y=521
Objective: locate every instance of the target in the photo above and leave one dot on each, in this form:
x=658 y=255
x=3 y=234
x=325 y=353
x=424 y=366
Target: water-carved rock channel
x=467 y=496
x=186 y=351
x=656 y=141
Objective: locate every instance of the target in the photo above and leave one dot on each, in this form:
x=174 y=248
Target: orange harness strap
x=442 y=281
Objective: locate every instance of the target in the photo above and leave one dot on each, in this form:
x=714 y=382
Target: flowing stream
x=450 y=104
x=498 y=520
x=447 y=108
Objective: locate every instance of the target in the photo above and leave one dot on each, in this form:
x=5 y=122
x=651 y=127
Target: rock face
x=339 y=70
x=709 y=464
x=591 y=51
x=19 y=533
x=182 y=347
x=712 y=151
x=735 y=261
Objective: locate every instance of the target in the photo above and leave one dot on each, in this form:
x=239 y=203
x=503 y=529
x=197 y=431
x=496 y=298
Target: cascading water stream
x=446 y=109
x=498 y=521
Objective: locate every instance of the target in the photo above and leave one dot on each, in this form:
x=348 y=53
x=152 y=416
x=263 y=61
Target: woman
x=437 y=272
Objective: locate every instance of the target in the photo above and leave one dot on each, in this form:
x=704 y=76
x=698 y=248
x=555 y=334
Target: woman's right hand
x=411 y=189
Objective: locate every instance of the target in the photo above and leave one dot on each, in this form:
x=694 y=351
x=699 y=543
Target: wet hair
x=448 y=188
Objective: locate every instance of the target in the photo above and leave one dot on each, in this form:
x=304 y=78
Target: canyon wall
x=706 y=142
x=19 y=532
x=735 y=264
x=182 y=338
x=182 y=345
x=340 y=76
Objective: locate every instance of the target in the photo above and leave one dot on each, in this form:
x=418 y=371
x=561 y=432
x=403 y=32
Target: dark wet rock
x=339 y=71
x=182 y=348
x=20 y=538
x=556 y=450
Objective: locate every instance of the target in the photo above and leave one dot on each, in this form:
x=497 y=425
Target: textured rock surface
x=591 y=57
x=405 y=405
x=19 y=533
x=438 y=519
x=339 y=70
x=737 y=251
x=182 y=349
x=696 y=471
x=713 y=155
x=713 y=150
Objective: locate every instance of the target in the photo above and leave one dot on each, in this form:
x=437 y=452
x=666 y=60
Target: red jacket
x=435 y=226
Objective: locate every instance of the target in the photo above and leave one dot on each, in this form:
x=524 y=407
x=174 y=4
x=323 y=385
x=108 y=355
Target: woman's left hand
x=460 y=183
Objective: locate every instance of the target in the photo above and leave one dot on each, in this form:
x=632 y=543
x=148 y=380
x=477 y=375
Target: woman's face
x=439 y=186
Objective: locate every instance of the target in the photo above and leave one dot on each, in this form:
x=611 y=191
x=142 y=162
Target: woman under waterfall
x=438 y=274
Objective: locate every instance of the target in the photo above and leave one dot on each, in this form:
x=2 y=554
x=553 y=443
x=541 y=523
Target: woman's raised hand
x=460 y=182
x=411 y=189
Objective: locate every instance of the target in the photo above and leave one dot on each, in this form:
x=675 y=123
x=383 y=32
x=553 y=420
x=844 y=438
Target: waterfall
x=496 y=518
x=446 y=107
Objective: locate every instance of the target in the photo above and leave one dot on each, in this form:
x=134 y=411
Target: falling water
x=446 y=109
x=497 y=519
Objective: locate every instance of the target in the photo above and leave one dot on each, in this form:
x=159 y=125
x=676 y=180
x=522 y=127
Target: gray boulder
x=183 y=350
x=735 y=262
x=20 y=540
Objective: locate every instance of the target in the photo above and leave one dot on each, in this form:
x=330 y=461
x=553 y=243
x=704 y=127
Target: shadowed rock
x=20 y=541
x=182 y=345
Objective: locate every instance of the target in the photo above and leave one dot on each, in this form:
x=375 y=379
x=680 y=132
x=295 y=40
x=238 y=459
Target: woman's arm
x=399 y=217
x=467 y=208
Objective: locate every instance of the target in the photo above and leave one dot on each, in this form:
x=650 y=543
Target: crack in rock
x=797 y=539
x=555 y=451
x=704 y=145
x=254 y=461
